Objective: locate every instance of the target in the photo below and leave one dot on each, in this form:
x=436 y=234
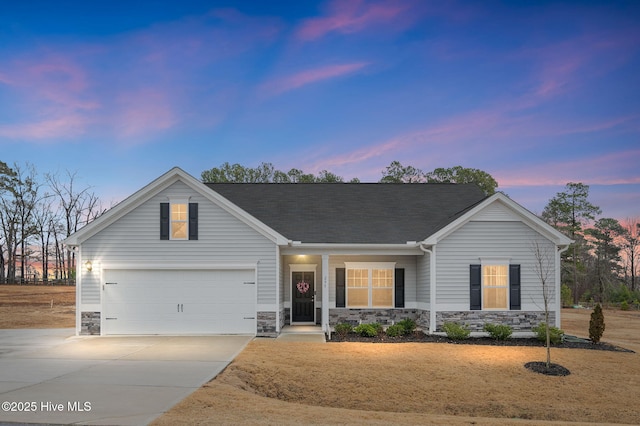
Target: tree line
x=37 y=212
x=393 y=173
x=602 y=263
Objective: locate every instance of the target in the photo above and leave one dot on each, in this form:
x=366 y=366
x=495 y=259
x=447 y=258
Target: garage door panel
x=180 y=302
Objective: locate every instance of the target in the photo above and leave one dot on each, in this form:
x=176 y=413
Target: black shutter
x=399 y=289
x=340 y=287
x=193 y=221
x=164 y=221
x=514 y=287
x=475 y=280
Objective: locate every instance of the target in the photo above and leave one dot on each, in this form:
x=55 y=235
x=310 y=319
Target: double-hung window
x=369 y=285
x=495 y=285
x=179 y=222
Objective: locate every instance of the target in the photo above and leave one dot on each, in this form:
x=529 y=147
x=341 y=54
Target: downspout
x=558 y=277
x=432 y=285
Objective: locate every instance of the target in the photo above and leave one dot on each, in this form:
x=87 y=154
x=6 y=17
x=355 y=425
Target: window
x=179 y=221
x=369 y=285
x=495 y=286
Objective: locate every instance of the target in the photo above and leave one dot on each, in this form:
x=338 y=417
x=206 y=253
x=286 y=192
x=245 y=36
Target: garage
x=176 y=302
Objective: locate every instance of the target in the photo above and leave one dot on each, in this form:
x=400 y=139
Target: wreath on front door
x=303 y=287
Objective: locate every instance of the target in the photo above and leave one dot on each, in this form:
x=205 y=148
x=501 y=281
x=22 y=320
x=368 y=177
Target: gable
x=190 y=186
x=500 y=208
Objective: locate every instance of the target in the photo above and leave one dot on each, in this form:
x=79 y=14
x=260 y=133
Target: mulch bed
x=419 y=337
x=541 y=367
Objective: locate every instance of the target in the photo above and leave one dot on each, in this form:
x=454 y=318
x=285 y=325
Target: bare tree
x=26 y=197
x=79 y=207
x=543 y=267
x=44 y=223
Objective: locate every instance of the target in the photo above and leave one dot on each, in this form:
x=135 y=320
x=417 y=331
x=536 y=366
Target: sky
x=536 y=93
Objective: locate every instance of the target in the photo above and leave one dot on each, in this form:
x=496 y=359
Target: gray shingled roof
x=353 y=213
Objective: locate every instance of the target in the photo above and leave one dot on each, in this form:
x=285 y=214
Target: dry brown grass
x=28 y=306
x=275 y=382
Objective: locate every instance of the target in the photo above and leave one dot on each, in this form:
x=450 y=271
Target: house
x=183 y=257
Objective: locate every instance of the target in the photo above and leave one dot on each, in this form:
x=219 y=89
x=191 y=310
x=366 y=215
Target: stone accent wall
x=383 y=316
x=287 y=315
x=284 y=317
x=266 y=326
x=475 y=320
x=423 y=320
x=89 y=323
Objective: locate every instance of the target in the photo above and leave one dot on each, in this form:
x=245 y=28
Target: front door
x=303 y=291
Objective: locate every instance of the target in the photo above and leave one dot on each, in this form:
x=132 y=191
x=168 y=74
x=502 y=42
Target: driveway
x=51 y=376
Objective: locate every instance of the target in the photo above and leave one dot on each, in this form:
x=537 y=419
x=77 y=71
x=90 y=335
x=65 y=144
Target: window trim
x=492 y=261
x=370 y=266
x=173 y=200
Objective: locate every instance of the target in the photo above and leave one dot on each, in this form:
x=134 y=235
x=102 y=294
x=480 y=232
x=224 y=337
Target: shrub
x=456 y=331
x=377 y=326
x=395 y=330
x=565 y=296
x=343 y=329
x=596 y=324
x=366 y=330
x=498 y=331
x=555 y=334
x=624 y=305
x=408 y=325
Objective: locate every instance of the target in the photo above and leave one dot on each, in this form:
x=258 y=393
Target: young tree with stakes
x=543 y=267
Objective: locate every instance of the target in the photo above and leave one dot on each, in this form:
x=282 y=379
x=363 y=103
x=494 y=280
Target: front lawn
x=277 y=382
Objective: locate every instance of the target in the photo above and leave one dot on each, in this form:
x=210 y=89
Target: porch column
x=325 y=294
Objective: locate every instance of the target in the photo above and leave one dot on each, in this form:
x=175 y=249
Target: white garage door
x=179 y=302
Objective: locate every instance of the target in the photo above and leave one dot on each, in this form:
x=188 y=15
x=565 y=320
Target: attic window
x=179 y=221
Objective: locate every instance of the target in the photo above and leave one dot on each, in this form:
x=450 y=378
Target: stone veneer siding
x=266 y=326
x=89 y=323
x=475 y=320
x=284 y=317
x=383 y=316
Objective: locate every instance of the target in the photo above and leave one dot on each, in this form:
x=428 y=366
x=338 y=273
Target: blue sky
x=536 y=93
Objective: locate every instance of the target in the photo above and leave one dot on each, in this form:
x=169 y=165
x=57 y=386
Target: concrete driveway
x=51 y=376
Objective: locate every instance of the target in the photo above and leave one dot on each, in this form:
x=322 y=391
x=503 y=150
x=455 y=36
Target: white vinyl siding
x=487 y=239
x=424 y=278
x=223 y=239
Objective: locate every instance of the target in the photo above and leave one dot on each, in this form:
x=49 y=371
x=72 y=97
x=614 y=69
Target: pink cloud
x=143 y=111
x=71 y=125
x=311 y=76
x=616 y=168
x=350 y=16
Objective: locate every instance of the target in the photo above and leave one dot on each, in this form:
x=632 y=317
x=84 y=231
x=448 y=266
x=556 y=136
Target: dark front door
x=303 y=291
